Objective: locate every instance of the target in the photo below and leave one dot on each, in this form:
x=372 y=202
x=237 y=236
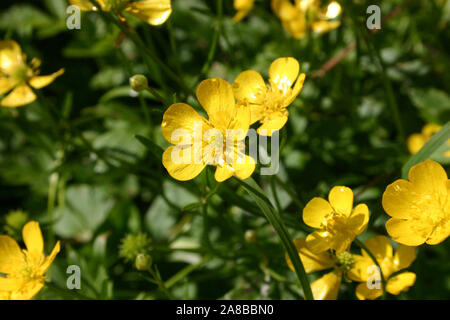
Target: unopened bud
x=143 y=262
x=138 y=82
x=250 y=236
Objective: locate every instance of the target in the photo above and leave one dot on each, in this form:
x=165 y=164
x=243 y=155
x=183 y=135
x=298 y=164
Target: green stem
x=277 y=223
x=374 y=259
x=160 y=283
x=184 y=272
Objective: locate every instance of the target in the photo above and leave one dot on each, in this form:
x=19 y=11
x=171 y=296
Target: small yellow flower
x=306 y=14
x=268 y=103
x=218 y=141
x=326 y=287
x=243 y=7
x=24 y=269
x=338 y=222
x=416 y=141
x=154 y=12
x=16 y=76
x=420 y=207
x=364 y=268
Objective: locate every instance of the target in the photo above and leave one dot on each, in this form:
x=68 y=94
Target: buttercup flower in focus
x=268 y=103
x=326 y=287
x=389 y=262
x=419 y=208
x=243 y=7
x=24 y=269
x=217 y=141
x=16 y=76
x=154 y=12
x=298 y=18
x=338 y=223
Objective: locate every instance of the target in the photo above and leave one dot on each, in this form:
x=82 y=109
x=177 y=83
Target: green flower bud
x=138 y=82
x=250 y=236
x=143 y=262
x=132 y=245
x=14 y=222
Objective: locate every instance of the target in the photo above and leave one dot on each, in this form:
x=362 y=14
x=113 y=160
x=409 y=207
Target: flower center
x=344 y=261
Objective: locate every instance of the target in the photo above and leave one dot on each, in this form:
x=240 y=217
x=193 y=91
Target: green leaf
x=428 y=149
x=257 y=194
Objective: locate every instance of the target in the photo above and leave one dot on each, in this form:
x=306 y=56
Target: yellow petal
x=11 y=257
x=84 y=5
x=283 y=72
x=286 y=10
x=20 y=96
x=402 y=200
x=154 y=12
x=408 y=232
x=10 y=56
x=327 y=287
x=430 y=129
x=49 y=260
x=400 y=282
x=249 y=85
x=28 y=290
x=415 y=142
x=223 y=173
x=10 y=284
x=380 y=246
x=359 y=218
x=6 y=84
x=360 y=270
x=318 y=241
x=32 y=236
x=297 y=88
x=180 y=169
x=256 y=112
x=243 y=4
x=38 y=82
x=333 y=10
x=239 y=125
x=182 y=122
x=430 y=178
x=217 y=98
x=440 y=233
x=315 y=212
x=363 y=292
x=311 y=261
x=296 y=27
x=404 y=256
x=325 y=26
x=244 y=167
x=341 y=199
x=268 y=127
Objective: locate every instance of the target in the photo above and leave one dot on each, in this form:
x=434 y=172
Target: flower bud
x=143 y=262
x=250 y=236
x=138 y=82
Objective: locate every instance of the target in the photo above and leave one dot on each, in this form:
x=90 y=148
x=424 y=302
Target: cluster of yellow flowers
x=297 y=18
x=24 y=269
x=420 y=213
x=229 y=108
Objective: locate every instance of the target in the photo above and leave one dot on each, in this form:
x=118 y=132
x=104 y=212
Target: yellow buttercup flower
x=338 y=222
x=243 y=7
x=16 y=76
x=326 y=287
x=420 y=207
x=416 y=141
x=154 y=12
x=298 y=18
x=268 y=103
x=24 y=269
x=199 y=142
x=364 y=268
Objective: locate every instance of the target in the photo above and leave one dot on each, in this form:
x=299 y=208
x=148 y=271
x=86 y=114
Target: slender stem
x=374 y=259
x=277 y=223
x=184 y=272
x=160 y=283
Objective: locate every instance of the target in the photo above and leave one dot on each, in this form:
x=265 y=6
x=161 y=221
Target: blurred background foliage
x=71 y=159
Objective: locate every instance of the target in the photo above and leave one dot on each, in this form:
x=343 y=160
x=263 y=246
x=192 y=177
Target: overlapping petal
x=154 y=12
x=341 y=199
x=327 y=287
